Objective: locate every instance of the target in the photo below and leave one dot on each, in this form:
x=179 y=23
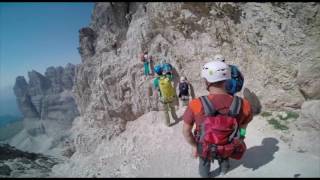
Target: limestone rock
x=310 y=114
x=68 y=76
x=266 y=41
x=54 y=75
x=45 y=93
x=38 y=84
x=21 y=86
x=309 y=79
x=87 y=39
x=23 y=99
x=48 y=107
x=16 y=163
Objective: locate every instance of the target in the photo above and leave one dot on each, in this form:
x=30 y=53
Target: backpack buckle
x=213 y=151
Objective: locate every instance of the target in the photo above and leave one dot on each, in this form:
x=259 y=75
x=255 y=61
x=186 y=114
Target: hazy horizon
x=35 y=36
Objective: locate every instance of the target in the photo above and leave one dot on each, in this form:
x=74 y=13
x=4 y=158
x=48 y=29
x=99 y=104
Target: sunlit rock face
x=275 y=45
x=48 y=107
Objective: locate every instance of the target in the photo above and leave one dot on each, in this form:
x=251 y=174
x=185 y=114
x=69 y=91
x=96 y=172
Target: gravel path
x=150 y=149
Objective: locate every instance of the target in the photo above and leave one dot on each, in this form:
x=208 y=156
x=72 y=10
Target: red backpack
x=219 y=135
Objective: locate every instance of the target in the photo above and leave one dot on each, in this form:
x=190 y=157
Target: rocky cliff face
x=275 y=45
x=16 y=163
x=47 y=96
x=47 y=104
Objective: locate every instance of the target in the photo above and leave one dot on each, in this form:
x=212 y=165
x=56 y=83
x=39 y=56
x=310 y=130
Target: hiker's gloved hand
x=242 y=133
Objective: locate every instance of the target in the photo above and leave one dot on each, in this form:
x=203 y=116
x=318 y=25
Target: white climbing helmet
x=215 y=71
x=219 y=57
x=182 y=78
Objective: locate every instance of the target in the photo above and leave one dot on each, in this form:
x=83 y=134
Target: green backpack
x=167 y=91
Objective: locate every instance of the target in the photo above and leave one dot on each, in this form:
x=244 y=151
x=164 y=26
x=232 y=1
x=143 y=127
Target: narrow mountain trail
x=273 y=158
x=150 y=149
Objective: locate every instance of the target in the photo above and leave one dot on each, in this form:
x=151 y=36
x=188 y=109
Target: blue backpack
x=234 y=84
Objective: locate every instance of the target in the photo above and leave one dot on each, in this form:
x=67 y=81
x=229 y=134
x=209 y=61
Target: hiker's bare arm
x=187 y=133
x=248 y=115
x=248 y=120
x=244 y=126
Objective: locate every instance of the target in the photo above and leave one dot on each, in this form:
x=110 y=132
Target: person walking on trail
x=235 y=83
x=220 y=121
x=164 y=90
x=184 y=91
x=146 y=59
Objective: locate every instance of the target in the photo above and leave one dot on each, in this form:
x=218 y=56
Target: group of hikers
x=163 y=85
x=220 y=118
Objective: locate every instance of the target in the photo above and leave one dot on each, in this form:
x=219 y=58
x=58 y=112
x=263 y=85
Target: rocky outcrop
x=105 y=83
x=305 y=129
x=87 y=40
x=310 y=115
x=268 y=42
x=47 y=94
x=38 y=84
x=309 y=79
x=48 y=107
x=16 y=163
x=275 y=45
x=23 y=99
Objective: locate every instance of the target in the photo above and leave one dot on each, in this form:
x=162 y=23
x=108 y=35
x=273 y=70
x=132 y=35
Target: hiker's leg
x=180 y=102
x=204 y=167
x=151 y=68
x=166 y=113
x=145 y=64
x=147 y=68
x=185 y=100
x=185 y=103
x=223 y=165
x=173 y=111
x=175 y=102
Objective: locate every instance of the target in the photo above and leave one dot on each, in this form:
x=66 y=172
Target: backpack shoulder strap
x=235 y=107
x=209 y=110
x=234 y=110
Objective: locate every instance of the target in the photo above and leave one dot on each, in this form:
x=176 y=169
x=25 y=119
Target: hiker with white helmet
x=184 y=90
x=220 y=121
x=235 y=83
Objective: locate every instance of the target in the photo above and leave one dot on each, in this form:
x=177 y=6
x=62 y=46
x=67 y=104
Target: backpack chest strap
x=209 y=109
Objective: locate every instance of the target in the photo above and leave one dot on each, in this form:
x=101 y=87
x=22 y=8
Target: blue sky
x=34 y=36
